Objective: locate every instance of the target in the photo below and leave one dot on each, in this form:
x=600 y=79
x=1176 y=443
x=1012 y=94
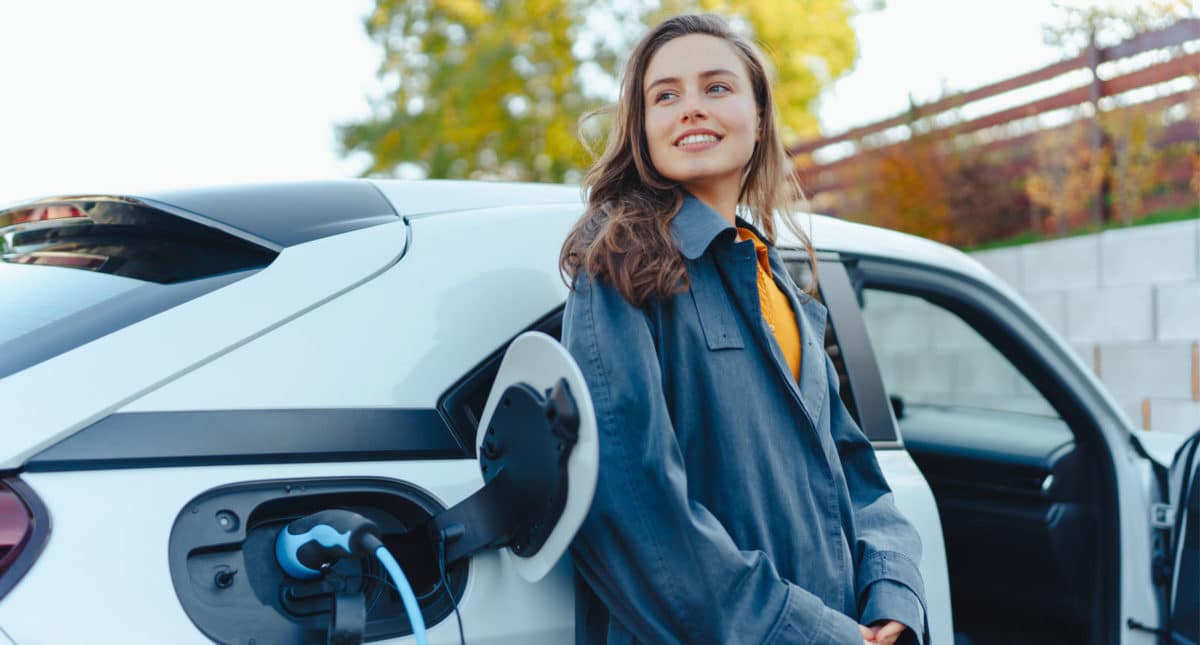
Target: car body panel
x=854 y=239
x=137 y=359
x=107 y=554
x=402 y=338
x=427 y=197
x=916 y=502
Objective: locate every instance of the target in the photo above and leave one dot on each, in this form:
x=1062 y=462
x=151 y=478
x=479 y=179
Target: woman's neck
x=717 y=197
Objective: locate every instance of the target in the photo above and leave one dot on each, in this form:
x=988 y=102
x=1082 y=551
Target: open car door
x=1182 y=511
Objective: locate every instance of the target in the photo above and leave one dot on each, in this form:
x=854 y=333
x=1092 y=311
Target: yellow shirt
x=776 y=308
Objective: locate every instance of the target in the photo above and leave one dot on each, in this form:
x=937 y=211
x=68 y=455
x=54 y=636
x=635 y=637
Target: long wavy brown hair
x=624 y=236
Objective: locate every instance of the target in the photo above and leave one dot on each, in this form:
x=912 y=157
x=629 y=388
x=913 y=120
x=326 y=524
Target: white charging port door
x=537 y=360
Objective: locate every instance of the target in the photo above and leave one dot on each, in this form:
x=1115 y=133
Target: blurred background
x=1057 y=141
x=975 y=123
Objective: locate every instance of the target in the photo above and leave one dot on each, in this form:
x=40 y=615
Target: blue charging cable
x=310 y=544
x=406 y=592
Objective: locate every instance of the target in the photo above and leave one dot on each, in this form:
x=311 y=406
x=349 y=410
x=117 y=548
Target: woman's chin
x=704 y=175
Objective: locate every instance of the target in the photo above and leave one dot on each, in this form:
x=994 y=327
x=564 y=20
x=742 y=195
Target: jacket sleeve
x=662 y=564
x=887 y=548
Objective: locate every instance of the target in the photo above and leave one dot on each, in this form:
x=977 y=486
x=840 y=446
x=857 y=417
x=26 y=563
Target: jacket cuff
x=888 y=600
x=806 y=620
x=889 y=565
x=838 y=628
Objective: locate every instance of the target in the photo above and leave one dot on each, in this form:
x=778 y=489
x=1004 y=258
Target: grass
x=1159 y=217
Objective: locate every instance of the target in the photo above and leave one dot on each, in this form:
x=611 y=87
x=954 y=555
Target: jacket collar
x=695 y=226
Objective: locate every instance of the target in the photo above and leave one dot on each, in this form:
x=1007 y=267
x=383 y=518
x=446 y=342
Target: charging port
x=224 y=571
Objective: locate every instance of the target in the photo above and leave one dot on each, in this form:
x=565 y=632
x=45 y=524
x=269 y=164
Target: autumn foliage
x=972 y=189
x=1066 y=176
x=1074 y=156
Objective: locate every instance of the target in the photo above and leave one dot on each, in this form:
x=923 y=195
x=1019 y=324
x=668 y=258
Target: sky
x=133 y=95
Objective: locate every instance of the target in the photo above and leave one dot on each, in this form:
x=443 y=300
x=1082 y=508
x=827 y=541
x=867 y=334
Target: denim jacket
x=735 y=504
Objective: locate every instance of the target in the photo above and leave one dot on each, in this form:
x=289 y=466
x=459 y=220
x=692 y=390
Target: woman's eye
x=663 y=96
x=723 y=88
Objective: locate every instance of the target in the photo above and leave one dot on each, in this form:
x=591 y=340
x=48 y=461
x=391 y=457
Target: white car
x=184 y=373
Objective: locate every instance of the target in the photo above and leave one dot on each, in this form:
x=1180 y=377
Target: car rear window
x=72 y=271
x=37 y=296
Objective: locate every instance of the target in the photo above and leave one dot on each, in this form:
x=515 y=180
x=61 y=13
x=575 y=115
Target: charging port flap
x=539 y=455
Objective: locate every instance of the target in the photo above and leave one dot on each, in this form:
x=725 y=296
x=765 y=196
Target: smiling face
x=701 y=117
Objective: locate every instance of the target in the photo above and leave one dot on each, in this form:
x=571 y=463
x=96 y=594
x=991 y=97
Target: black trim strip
x=33 y=544
x=284 y=214
x=225 y=437
x=870 y=397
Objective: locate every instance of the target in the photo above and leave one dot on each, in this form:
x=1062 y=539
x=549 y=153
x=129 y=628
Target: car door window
x=929 y=356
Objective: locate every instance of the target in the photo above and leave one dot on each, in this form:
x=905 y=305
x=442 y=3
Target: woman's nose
x=692 y=111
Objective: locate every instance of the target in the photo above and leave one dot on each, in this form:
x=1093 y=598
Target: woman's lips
x=699 y=146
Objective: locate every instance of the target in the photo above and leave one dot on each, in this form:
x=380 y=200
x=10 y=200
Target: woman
x=737 y=502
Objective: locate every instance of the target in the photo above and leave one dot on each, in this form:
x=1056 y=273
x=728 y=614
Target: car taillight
x=45 y=212
x=24 y=527
x=15 y=525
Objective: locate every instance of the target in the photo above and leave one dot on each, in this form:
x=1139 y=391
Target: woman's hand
x=882 y=632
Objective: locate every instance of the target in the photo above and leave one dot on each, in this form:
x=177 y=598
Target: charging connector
x=308 y=546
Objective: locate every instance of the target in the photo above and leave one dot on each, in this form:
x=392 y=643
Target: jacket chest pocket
x=713 y=307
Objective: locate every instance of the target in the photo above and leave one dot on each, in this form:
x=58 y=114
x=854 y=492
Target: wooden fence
x=830 y=168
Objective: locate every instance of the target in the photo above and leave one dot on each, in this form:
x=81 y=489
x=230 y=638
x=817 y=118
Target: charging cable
x=311 y=544
x=453 y=532
x=406 y=593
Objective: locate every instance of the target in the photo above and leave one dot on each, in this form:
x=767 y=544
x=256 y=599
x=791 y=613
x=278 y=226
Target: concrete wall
x=1128 y=301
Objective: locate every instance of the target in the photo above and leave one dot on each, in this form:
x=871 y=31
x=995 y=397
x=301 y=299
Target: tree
x=908 y=189
x=1133 y=172
x=1066 y=176
x=1194 y=183
x=495 y=89
x=484 y=88
x=1110 y=22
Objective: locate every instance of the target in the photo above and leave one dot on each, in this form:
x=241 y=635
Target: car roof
x=290 y=213
x=437 y=197
x=862 y=240
x=416 y=198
